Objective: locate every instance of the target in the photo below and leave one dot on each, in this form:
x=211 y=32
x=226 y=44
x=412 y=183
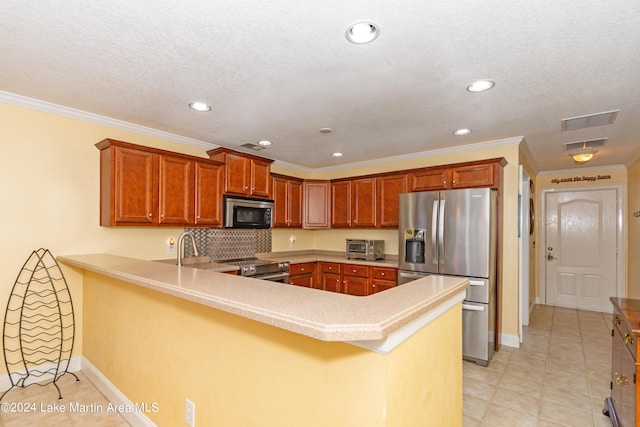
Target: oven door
x=281 y=277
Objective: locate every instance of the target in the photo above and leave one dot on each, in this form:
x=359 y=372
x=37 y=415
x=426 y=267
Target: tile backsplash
x=228 y=243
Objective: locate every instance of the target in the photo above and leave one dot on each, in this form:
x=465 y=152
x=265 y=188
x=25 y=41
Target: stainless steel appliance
x=244 y=212
x=454 y=233
x=365 y=249
x=274 y=271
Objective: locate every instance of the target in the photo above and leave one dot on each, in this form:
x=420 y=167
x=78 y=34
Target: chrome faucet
x=180 y=248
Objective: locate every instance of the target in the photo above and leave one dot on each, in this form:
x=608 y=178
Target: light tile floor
x=36 y=406
x=558 y=377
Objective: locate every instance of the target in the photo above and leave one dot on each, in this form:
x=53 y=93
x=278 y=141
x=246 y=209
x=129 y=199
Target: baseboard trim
x=115 y=396
x=510 y=340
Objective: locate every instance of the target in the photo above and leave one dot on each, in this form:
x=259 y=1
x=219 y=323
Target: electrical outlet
x=190 y=413
x=292 y=241
x=171 y=247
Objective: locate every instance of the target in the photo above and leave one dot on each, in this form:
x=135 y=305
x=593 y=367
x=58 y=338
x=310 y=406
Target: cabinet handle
x=198 y=217
x=151 y=214
x=246 y=187
x=162 y=216
x=373 y=286
x=302 y=269
x=444 y=182
x=330 y=268
x=382 y=274
x=355 y=270
x=454 y=181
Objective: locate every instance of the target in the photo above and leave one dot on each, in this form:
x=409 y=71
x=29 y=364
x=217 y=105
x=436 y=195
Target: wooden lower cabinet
x=355 y=279
x=303 y=274
x=331 y=276
x=624 y=362
x=382 y=278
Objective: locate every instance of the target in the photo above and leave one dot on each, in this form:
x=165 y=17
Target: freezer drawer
x=478 y=335
x=479 y=290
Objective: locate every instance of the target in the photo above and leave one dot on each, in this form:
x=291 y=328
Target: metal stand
x=39 y=325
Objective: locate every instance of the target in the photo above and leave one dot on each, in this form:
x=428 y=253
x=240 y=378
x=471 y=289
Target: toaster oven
x=365 y=249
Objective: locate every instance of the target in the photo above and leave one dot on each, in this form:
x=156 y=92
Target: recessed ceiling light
x=200 y=106
x=264 y=143
x=462 y=132
x=337 y=154
x=362 y=32
x=481 y=86
x=326 y=130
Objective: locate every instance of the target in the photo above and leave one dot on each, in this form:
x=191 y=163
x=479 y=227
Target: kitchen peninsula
x=258 y=353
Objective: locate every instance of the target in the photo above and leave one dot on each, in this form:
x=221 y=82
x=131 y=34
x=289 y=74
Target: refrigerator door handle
x=412 y=275
x=476 y=283
x=434 y=221
x=470 y=307
x=441 y=232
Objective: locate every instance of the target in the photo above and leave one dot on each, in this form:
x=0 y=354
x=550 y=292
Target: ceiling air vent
x=585 y=145
x=589 y=121
x=253 y=146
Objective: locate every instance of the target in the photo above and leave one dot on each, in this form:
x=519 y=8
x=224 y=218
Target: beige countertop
x=326 y=316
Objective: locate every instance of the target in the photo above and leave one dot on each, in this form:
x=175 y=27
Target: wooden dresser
x=621 y=407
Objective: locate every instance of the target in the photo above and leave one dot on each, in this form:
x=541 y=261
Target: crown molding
x=47 y=107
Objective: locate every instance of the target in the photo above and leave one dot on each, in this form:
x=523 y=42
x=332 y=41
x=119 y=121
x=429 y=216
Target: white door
x=581 y=249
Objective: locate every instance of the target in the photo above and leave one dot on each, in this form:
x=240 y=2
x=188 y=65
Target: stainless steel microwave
x=244 y=212
x=365 y=249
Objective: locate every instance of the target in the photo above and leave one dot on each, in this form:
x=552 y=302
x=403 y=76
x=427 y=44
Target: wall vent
x=589 y=121
x=253 y=146
x=585 y=145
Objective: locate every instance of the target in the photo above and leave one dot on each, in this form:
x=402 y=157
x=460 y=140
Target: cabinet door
x=380 y=285
x=316 y=206
x=237 y=173
x=209 y=187
x=295 y=203
x=473 y=176
x=331 y=282
x=430 y=179
x=176 y=191
x=341 y=204
x=388 y=190
x=260 y=179
x=363 y=202
x=306 y=280
x=135 y=187
x=358 y=286
x=280 y=202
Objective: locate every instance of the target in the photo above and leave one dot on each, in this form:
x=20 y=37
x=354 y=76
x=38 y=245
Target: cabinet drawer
x=384 y=273
x=355 y=270
x=330 y=267
x=626 y=334
x=303 y=268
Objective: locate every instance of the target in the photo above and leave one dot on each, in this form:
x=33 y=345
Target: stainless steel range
x=274 y=271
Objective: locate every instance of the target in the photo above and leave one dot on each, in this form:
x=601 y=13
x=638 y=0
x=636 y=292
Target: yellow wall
x=159 y=349
x=49 y=170
x=633 y=231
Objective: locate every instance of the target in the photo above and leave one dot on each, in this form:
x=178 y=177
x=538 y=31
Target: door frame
x=621 y=258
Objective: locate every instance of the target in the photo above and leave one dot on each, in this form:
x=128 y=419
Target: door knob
x=550 y=257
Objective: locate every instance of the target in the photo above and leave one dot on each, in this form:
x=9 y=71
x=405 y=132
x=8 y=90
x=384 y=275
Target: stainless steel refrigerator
x=454 y=233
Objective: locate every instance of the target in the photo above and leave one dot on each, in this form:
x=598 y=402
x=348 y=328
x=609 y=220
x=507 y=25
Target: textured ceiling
x=281 y=70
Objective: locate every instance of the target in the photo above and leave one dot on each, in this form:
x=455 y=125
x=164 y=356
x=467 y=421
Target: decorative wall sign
x=583 y=178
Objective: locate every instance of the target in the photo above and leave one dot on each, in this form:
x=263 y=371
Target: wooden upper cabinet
x=287 y=197
x=363 y=202
x=388 y=190
x=176 y=191
x=316 y=206
x=429 y=179
x=245 y=174
x=209 y=187
x=147 y=186
x=341 y=204
x=473 y=176
x=129 y=184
